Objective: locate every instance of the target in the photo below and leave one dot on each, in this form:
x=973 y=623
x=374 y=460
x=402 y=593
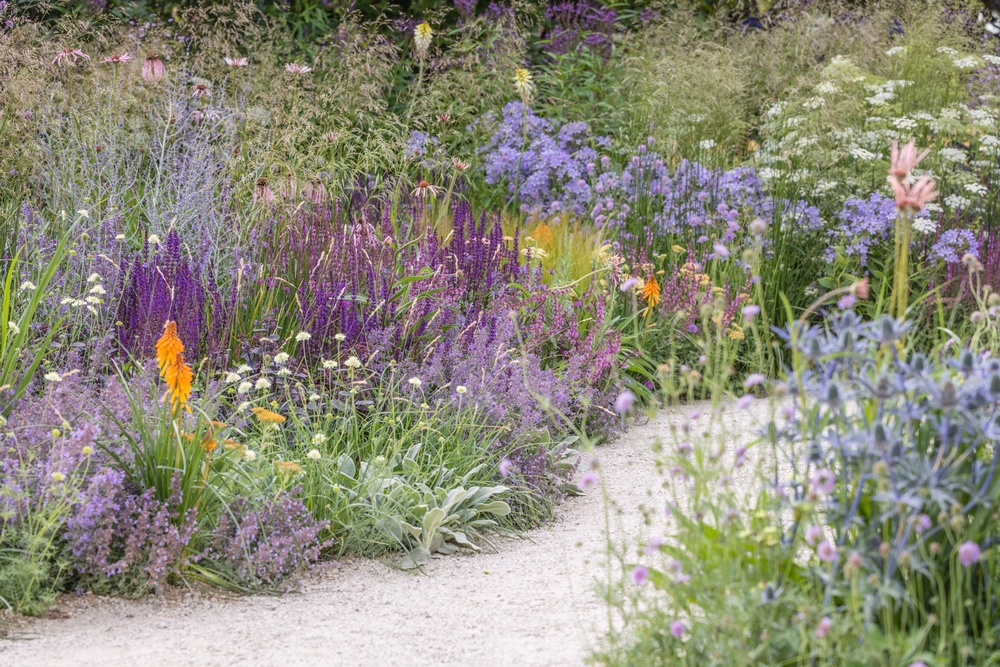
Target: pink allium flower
x=826 y=551
x=624 y=402
x=504 y=467
x=677 y=628
x=62 y=57
x=813 y=535
x=968 y=553
x=114 y=60
x=823 y=627
x=904 y=161
x=153 y=69
x=589 y=480
x=754 y=379
x=237 y=62
x=640 y=573
x=823 y=481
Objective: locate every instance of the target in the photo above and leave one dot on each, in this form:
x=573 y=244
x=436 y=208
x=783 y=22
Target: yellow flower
x=678 y=248
x=268 y=417
x=288 y=467
x=523 y=84
x=178 y=377
x=168 y=347
x=735 y=332
x=422 y=38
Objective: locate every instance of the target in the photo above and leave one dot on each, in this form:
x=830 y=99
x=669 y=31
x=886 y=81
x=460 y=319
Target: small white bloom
x=827 y=88
x=250 y=455
x=896 y=50
x=230 y=378
x=992 y=59
x=281 y=357
x=284 y=372
x=319 y=439
x=302 y=335
x=353 y=362
x=120 y=237
x=93 y=277
x=243 y=407
x=52 y=376
x=314 y=397
x=977 y=188
x=262 y=383
x=244 y=387
x=153 y=239
x=329 y=363
x=83 y=213
x=947 y=49
x=340 y=338
x=924 y=225
x=862 y=154
x=967 y=62
x=14 y=329
x=707 y=144
x=314 y=455
x=27 y=285
x=98 y=289
x=95 y=300
x=461 y=389
x=244 y=368
x=952 y=154
x=415 y=382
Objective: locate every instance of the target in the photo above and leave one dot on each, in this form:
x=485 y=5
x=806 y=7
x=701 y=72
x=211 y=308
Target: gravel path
x=533 y=603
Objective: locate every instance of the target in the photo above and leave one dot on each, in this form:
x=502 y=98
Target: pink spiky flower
x=913 y=197
x=295 y=68
x=237 y=62
x=114 y=60
x=904 y=161
x=64 y=56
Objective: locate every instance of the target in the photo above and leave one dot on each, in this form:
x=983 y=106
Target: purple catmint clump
x=125 y=541
x=862 y=223
x=955 y=244
x=265 y=544
x=581 y=25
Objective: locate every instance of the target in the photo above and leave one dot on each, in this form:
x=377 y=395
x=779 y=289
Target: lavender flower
x=640 y=573
x=968 y=554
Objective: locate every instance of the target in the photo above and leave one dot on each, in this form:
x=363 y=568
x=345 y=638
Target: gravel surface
x=533 y=603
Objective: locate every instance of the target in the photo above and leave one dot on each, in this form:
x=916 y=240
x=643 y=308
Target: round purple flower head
x=813 y=535
x=922 y=523
x=677 y=628
x=754 y=379
x=629 y=284
x=823 y=481
x=654 y=545
x=750 y=311
x=743 y=402
x=968 y=553
x=588 y=481
x=826 y=551
x=640 y=573
x=624 y=402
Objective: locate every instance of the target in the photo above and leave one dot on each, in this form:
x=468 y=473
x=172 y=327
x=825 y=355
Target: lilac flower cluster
x=265 y=545
x=581 y=25
x=125 y=541
x=954 y=244
x=863 y=223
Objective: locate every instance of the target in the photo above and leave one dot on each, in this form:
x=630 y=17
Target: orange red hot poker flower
x=173 y=370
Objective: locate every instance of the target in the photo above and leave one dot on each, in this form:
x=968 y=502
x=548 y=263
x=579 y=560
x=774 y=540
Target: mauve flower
x=922 y=523
x=295 y=68
x=914 y=197
x=860 y=289
x=743 y=402
x=624 y=402
x=66 y=54
x=654 y=545
x=504 y=467
x=823 y=627
x=114 y=60
x=237 y=62
x=813 y=534
x=677 y=628
x=640 y=573
x=262 y=193
x=826 y=551
x=919 y=663
x=968 y=553
x=741 y=457
x=201 y=90
x=721 y=250
x=754 y=379
x=846 y=301
x=629 y=284
x=750 y=311
x=823 y=481
x=153 y=69
x=589 y=480
x=904 y=161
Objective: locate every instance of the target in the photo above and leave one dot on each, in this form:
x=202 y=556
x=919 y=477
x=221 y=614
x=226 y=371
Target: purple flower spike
x=968 y=553
x=640 y=573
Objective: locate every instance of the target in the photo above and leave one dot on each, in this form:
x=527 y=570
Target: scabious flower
x=629 y=284
x=353 y=362
x=677 y=629
x=813 y=535
x=319 y=438
x=422 y=39
x=314 y=455
x=968 y=554
x=640 y=573
x=330 y=364
x=58 y=477
x=153 y=70
x=754 y=379
x=461 y=390
x=14 y=329
x=244 y=387
x=281 y=358
x=624 y=402
x=743 y=402
x=415 y=382
x=823 y=627
x=823 y=481
x=826 y=551
x=52 y=376
x=504 y=467
x=230 y=378
x=750 y=311
x=262 y=383
x=589 y=480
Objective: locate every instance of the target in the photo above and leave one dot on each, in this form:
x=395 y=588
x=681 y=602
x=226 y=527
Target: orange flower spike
x=178 y=377
x=168 y=347
x=651 y=292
